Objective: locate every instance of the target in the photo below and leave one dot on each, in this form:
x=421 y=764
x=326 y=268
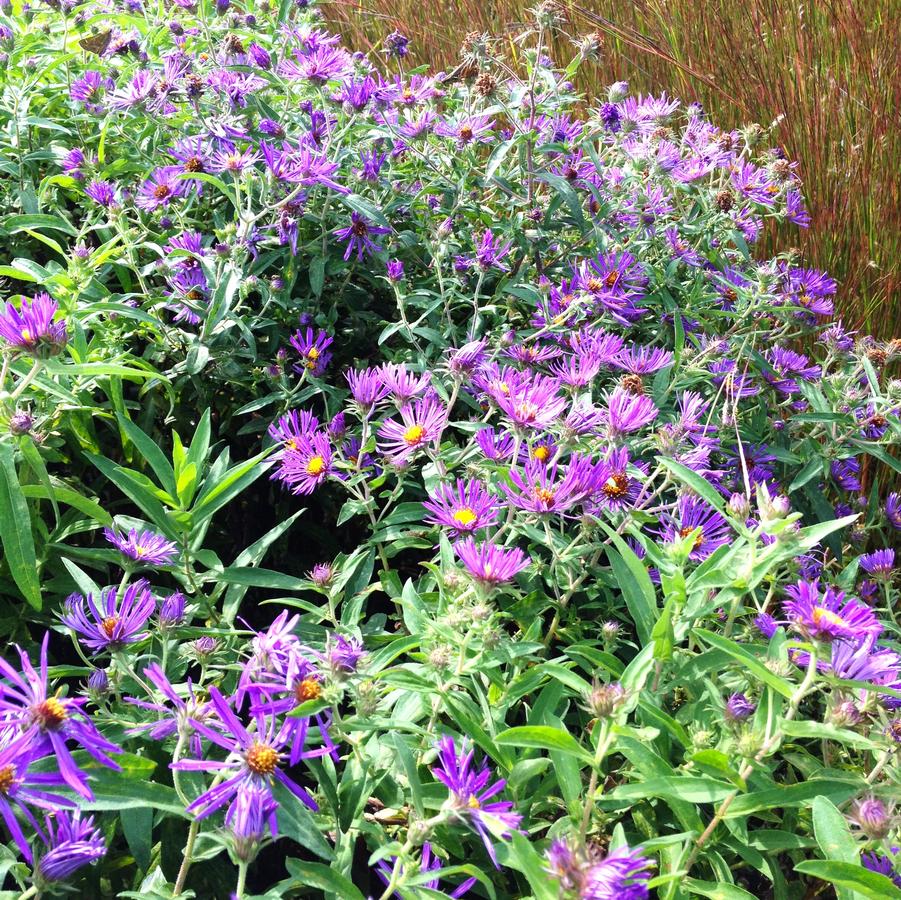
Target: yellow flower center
x=316 y=466
x=7 y=779
x=825 y=616
x=414 y=435
x=26 y=335
x=308 y=689
x=616 y=485
x=473 y=802
x=544 y=496
x=261 y=759
x=50 y=714
x=464 y=516
x=312 y=353
x=541 y=453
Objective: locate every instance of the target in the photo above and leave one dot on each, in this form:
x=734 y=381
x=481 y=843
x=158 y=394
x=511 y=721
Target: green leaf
x=519 y=854
x=215 y=496
x=635 y=583
x=545 y=738
x=251 y=576
x=315 y=875
x=137 y=826
x=15 y=223
x=754 y=665
x=689 y=788
x=296 y=822
x=718 y=891
x=851 y=876
x=800 y=794
x=15 y=530
x=691 y=479
x=834 y=837
x=150 y=450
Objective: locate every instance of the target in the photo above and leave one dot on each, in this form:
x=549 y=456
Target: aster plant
x=423 y=484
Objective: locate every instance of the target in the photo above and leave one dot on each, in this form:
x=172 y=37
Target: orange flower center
x=685 y=532
x=616 y=485
x=414 y=435
x=108 y=625
x=161 y=191
x=50 y=714
x=261 y=759
x=308 y=689
x=7 y=779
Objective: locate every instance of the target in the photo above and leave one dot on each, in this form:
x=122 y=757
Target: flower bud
x=618 y=91
x=605 y=699
x=872 y=817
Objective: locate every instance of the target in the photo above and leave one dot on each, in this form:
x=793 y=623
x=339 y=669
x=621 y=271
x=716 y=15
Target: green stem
x=186 y=858
x=242 y=880
x=32 y=374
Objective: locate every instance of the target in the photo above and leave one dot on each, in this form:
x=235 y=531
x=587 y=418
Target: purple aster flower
x=872 y=817
x=532 y=402
x=616 y=282
x=619 y=489
x=491 y=252
x=143 y=547
x=254 y=761
x=367 y=388
x=845 y=473
x=467 y=130
x=307 y=465
x=395 y=44
x=739 y=708
x=880 y=563
x=291 y=428
x=641 y=360
x=627 y=412
x=73 y=162
x=681 y=249
x=358 y=236
x=795 y=210
x=421 y=425
x=394 y=269
x=259 y=55
x=402 y=384
x=252 y=813
x=115 y=621
x=828 y=615
x=172 y=611
x=21 y=788
x=342 y=655
x=273 y=656
x=489 y=564
x=312 y=346
x=160 y=188
x=72 y=842
x=691 y=514
x=893 y=510
x=786 y=367
x=463 y=508
x=90 y=88
x=550 y=488
x=31 y=328
x=320 y=65
x=471 y=792
x=587 y=875
x=883 y=865
x=103 y=193
x=494 y=445
x=176 y=714
x=54 y=720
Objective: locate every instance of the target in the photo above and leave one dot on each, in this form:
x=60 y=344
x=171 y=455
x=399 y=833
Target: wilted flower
x=583 y=873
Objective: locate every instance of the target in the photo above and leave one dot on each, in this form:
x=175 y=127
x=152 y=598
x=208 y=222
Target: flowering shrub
x=411 y=485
